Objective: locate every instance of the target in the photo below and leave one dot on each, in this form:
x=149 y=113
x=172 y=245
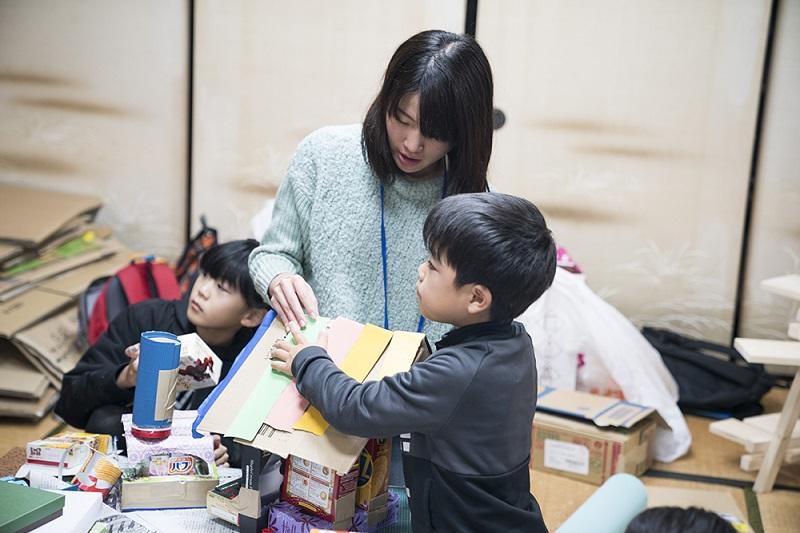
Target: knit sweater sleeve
x=284 y=243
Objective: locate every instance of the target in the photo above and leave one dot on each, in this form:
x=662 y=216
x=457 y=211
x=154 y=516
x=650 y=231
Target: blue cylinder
x=154 y=399
x=610 y=508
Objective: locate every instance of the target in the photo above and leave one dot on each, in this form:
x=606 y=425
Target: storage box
x=589 y=438
x=320 y=490
x=71 y=447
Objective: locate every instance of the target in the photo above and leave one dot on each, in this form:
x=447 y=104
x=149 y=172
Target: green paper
x=270 y=387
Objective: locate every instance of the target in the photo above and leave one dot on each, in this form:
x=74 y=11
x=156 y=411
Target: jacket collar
x=483 y=330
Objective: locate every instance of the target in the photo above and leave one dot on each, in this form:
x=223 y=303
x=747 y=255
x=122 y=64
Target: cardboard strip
x=359 y=361
x=214 y=413
x=343 y=333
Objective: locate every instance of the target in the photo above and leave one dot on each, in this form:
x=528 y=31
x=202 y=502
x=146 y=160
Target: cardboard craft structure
x=199 y=366
x=243 y=403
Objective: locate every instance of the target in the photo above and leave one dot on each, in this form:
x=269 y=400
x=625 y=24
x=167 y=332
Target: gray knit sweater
x=326 y=226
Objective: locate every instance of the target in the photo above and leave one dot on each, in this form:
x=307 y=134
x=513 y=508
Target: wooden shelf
x=768 y=352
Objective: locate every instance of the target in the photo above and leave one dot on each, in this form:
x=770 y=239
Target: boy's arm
x=92 y=383
x=419 y=400
x=282 y=245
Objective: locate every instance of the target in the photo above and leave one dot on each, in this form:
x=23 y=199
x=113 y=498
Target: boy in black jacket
x=223 y=308
x=469 y=406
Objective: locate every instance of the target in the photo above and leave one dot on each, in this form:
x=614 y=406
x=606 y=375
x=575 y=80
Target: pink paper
x=291 y=405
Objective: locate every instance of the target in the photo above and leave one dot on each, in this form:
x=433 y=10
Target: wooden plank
x=752 y=438
x=781 y=441
x=750 y=462
x=794 y=328
x=768 y=352
x=788 y=286
x=768 y=423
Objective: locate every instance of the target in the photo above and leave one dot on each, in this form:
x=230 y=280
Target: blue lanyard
x=385 y=260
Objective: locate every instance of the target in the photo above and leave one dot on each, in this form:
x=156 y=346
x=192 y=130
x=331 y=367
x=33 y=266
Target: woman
x=346 y=232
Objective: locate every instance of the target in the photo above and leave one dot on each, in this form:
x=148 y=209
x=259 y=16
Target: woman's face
x=414 y=154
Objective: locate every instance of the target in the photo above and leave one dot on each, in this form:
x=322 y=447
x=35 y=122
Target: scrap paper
x=343 y=333
x=359 y=361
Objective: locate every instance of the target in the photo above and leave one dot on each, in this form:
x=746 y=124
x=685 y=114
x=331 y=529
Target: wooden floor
x=559 y=497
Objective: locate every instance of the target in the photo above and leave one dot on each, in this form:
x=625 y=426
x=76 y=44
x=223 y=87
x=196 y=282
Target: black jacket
x=91 y=386
x=469 y=408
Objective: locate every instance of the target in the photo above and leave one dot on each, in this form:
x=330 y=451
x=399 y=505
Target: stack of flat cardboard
x=49 y=253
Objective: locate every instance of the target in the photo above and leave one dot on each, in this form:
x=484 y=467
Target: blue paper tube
x=610 y=508
x=154 y=399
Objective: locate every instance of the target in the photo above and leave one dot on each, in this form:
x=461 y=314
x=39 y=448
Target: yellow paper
x=359 y=361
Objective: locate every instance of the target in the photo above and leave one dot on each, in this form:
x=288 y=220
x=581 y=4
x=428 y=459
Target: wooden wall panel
x=775 y=226
x=267 y=73
x=631 y=124
x=93 y=99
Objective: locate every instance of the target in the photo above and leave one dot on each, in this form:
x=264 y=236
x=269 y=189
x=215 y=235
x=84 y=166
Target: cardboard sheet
x=359 y=361
x=291 y=405
x=31 y=216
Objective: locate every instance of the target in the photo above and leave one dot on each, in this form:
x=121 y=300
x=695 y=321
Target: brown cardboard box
x=373 y=474
x=592 y=437
x=320 y=490
x=167 y=492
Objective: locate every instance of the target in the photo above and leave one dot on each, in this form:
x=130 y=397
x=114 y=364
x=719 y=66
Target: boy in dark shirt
x=223 y=308
x=469 y=406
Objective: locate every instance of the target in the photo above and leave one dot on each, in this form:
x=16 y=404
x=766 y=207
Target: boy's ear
x=480 y=299
x=253 y=317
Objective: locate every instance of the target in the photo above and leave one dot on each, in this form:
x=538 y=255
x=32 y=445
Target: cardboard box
x=72 y=448
x=168 y=492
x=373 y=476
x=589 y=438
x=223 y=501
x=320 y=490
x=199 y=366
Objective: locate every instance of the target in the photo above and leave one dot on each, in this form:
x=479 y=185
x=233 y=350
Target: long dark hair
x=454 y=81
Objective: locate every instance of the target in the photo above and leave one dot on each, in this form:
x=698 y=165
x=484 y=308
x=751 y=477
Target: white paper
x=566 y=456
x=172 y=520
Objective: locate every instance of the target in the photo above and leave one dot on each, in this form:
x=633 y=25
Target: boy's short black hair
x=228 y=262
x=496 y=240
x=677 y=519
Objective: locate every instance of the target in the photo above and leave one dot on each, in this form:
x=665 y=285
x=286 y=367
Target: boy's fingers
x=132 y=351
x=295 y=330
x=281 y=366
x=322 y=338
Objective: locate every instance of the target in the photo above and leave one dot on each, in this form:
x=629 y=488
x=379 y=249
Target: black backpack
x=713 y=380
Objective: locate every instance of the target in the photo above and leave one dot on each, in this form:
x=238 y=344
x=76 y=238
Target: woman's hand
x=283 y=352
x=126 y=379
x=292 y=298
x=220 y=451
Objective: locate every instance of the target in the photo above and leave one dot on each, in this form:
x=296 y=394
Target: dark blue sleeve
x=420 y=400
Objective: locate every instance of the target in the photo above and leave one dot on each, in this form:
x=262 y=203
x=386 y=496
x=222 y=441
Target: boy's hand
x=283 y=352
x=292 y=297
x=127 y=377
x=220 y=451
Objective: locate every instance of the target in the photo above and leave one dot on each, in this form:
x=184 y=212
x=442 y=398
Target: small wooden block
x=750 y=462
x=754 y=439
x=768 y=352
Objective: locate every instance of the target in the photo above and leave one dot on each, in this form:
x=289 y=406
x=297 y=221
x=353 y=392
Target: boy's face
x=215 y=304
x=440 y=299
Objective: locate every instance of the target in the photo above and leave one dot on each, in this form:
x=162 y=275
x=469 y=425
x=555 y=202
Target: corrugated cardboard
x=332 y=448
x=31 y=216
x=18 y=378
x=29 y=409
x=25 y=281
x=167 y=492
x=54 y=294
x=50 y=345
x=589 y=438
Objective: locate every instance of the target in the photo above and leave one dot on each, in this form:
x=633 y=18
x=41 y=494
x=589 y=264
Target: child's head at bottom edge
x=223 y=297
x=491 y=256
